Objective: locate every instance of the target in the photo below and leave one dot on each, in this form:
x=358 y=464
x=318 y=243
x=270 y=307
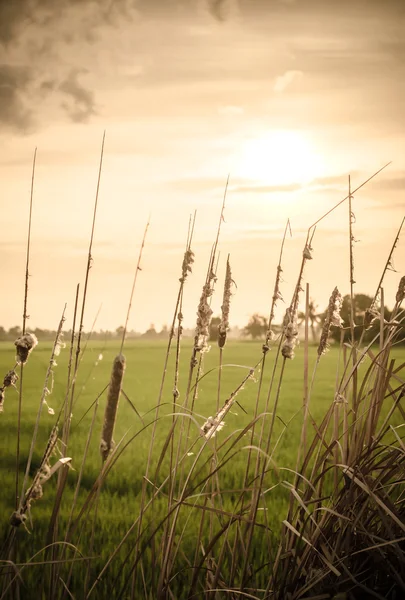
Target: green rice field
x=119 y=499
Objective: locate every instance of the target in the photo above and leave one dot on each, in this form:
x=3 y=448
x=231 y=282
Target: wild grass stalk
x=204 y=313
x=138 y=268
x=114 y=392
x=257 y=482
x=352 y=314
x=290 y=326
x=223 y=329
x=186 y=269
x=208 y=431
x=305 y=403
x=350 y=506
x=24 y=322
x=66 y=408
x=45 y=392
x=110 y=415
x=223 y=326
x=87 y=273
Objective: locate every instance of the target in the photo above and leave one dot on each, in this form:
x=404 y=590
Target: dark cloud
x=219 y=9
x=17 y=15
x=351 y=45
x=14 y=81
x=34 y=33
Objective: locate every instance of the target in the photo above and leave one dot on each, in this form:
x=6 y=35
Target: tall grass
x=330 y=524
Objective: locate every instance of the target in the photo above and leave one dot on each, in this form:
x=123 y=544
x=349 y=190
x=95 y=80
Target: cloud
x=14 y=81
x=345 y=55
x=288 y=79
x=335 y=181
x=199 y=184
x=391 y=184
x=219 y=9
x=267 y=189
x=81 y=105
x=40 y=41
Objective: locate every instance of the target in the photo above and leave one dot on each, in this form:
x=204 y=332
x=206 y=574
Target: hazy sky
x=288 y=97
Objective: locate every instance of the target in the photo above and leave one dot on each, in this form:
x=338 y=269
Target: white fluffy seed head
x=24 y=345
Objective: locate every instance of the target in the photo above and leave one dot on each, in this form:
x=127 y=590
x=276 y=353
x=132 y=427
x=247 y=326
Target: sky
x=287 y=97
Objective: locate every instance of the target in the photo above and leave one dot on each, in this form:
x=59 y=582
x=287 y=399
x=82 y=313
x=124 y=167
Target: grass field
x=141 y=384
x=119 y=499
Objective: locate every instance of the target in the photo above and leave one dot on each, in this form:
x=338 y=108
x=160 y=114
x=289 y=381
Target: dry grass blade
x=301 y=537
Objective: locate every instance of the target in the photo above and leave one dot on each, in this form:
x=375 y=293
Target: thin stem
x=88 y=267
x=388 y=263
x=25 y=317
x=352 y=303
x=68 y=405
x=221 y=219
x=306 y=356
x=176 y=314
x=347 y=197
x=138 y=268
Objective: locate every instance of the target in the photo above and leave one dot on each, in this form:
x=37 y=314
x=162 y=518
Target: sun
x=279 y=157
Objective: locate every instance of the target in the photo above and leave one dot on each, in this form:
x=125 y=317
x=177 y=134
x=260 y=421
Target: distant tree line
x=103 y=334
x=255 y=328
x=257 y=325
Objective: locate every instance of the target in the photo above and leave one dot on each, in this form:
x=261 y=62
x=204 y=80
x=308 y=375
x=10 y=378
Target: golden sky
x=288 y=97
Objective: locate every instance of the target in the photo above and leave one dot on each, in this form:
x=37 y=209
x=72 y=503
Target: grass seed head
x=211 y=427
x=204 y=314
x=277 y=295
x=25 y=344
x=114 y=390
x=370 y=316
x=17 y=518
x=35 y=491
x=59 y=345
x=401 y=290
x=223 y=327
x=270 y=335
x=186 y=266
x=10 y=379
x=291 y=333
x=307 y=252
x=332 y=318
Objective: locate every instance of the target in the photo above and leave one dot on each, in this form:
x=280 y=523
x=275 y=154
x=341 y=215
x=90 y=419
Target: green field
x=119 y=499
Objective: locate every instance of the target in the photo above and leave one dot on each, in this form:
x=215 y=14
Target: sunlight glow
x=279 y=157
